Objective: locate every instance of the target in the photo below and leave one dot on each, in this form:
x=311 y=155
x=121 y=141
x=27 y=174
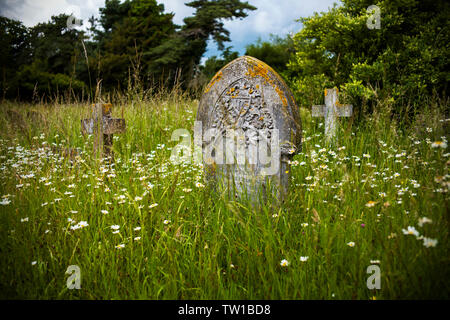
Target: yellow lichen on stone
x=107 y=108
x=260 y=69
x=216 y=78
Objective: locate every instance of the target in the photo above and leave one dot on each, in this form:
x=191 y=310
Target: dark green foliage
x=39 y=60
x=129 y=29
x=276 y=53
x=133 y=44
x=405 y=61
x=15 y=50
x=183 y=51
x=214 y=64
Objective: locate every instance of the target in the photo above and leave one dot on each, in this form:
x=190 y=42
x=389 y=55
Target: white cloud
x=32 y=12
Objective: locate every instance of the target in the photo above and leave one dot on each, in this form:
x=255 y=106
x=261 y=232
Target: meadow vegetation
x=143 y=228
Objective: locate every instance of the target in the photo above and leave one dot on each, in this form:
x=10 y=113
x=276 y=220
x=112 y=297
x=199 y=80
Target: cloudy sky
x=272 y=16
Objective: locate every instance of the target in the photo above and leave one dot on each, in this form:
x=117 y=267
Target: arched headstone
x=250 y=127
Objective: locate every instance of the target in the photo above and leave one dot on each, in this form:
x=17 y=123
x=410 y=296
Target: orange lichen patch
x=260 y=69
x=107 y=108
x=282 y=96
x=216 y=78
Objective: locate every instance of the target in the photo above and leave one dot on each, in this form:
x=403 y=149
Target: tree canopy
x=134 y=43
x=405 y=60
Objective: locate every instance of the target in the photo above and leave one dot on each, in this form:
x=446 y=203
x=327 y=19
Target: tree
x=214 y=64
x=276 y=53
x=407 y=59
x=129 y=29
x=15 y=50
x=41 y=58
x=186 y=47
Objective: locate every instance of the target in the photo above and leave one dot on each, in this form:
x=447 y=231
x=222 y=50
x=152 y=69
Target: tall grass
x=178 y=239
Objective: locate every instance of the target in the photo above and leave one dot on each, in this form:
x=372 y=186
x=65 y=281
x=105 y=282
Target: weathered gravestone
x=250 y=128
x=102 y=126
x=331 y=111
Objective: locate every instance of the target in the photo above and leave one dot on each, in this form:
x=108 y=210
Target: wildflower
x=83 y=224
x=438 y=179
x=104 y=211
x=137 y=198
x=439 y=144
x=366 y=156
x=187 y=190
x=304 y=225
x=308 y=178
x=284 y=263
x=410 y=231
x=199 y=185
x=427 y=242
x=166 y=221
x=120 y=246
x=5 y=202
x=24 y=219
x=375 y=261
x=382 y=194
x=362 y=225
x=351 y=244
x=429 y=130
x=137 y=229
x=153 y=205
x=370 y=204
x=304 y=259
x=275 y=215
x=115 y=227
x=424 y=220
x=137 y=238
x=33 y=263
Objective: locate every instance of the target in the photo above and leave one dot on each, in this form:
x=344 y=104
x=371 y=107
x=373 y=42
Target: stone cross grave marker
x=102 y=126
x=331 y=111
x=250 y=128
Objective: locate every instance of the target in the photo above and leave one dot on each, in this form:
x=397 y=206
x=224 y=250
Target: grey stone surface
x=102 y=126
x=249 y=97
x=332 y=110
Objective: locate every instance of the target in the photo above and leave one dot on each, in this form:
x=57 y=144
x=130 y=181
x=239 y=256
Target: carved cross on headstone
x=102 y=126
x=331 y=111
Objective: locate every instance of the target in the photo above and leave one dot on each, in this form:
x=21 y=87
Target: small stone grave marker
x=250 y=128
x=102 y=126
x=331 y=111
